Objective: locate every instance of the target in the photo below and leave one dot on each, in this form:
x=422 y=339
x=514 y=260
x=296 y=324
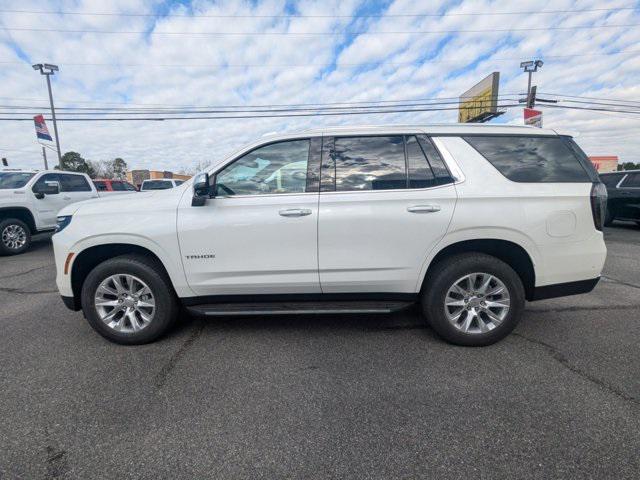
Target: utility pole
x=530 y=67
x=47 y=70
x=44 y=156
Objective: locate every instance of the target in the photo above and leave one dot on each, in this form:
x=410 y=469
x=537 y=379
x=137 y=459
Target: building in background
x=606 y=163
x=138 y=176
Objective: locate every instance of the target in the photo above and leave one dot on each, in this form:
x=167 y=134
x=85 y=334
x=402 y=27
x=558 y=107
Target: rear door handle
x=295 y=212
x=66 y=198
x=423 y=208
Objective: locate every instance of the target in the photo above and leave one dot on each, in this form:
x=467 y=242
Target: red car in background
x=110 y=186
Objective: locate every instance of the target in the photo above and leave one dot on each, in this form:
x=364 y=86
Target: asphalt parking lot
x=318 y=397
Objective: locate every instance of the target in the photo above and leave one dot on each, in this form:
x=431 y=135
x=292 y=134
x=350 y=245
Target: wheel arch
x=20 y=213
x=513 y=254
x=88 y=258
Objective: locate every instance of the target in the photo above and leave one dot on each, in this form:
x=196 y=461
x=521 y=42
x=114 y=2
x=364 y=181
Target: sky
x=260 y=55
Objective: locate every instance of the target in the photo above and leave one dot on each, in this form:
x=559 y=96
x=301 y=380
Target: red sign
x=533 y=117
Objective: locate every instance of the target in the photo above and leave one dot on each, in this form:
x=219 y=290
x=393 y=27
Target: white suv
x=30 y=201
x=160 y=184
x=468 y=220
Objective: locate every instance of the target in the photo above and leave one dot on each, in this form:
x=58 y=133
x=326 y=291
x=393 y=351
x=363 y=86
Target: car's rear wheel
x=129 y=300
x=473 y=299
x=15 y=236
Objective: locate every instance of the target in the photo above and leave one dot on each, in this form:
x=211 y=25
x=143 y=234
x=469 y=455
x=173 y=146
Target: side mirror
x=46 y=188
x=201 y=190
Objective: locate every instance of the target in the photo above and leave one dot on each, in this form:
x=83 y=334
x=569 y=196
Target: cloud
x=135 y=69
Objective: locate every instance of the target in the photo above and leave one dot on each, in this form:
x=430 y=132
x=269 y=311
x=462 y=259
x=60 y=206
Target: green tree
x=628 y=166
x=119 y=168
x=73 y=162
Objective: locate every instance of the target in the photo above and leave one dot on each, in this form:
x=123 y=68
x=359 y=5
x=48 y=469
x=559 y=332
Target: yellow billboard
x=480 y=102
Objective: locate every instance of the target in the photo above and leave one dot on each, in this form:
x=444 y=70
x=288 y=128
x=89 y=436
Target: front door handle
x=295 y=212
x=423 y=208
x=66 y=198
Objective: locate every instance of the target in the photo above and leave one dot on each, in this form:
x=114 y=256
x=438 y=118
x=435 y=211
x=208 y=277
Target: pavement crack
x=562 y=360
x=161 y=378
x=25 y=272
x=583 y=309
x=620 y=282
x=25 y=292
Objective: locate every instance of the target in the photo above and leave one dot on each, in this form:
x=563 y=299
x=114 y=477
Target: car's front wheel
x=15 y=236
x=473 y=299
x=129 y=300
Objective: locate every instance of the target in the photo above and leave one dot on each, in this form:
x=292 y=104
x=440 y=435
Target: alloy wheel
x=477 y=303
x=125 y=303
x=14 y=237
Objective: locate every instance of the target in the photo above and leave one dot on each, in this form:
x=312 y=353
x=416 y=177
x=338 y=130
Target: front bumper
x=71 y=303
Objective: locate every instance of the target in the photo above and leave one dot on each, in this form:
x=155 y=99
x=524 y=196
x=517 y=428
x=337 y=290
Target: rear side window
x=531 y=158
x=370 y=163
x=632 y=181
x=74 y=183
x=100 y=186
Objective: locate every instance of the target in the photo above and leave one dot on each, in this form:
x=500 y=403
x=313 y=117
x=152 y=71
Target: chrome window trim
x=452 y=165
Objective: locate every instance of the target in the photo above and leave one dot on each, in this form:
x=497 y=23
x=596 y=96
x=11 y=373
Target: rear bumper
x=564 y=289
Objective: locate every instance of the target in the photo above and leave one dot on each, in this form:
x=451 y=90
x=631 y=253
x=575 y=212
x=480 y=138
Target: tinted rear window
x=531 y=159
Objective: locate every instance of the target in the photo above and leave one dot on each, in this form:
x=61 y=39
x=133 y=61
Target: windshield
x=14 y=179
x=156 y=185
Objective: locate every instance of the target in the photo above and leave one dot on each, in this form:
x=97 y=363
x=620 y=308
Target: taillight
x=598 y=204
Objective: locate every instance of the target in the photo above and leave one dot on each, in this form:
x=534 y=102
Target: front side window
x=100 y=185
x=73 y=183
x=272 y=169
x=370 y=163
x=47 y=178
x=179 y=182
x=531 y=158
x=14 y=179
x=118 y=186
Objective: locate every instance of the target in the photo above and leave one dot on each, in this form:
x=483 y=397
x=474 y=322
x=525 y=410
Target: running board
x=296 y=308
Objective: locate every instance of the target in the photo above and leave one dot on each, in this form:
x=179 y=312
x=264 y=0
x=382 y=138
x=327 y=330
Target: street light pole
x=47 y=70
x=530 y=67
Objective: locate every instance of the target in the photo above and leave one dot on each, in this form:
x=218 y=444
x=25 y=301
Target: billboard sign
x=533 y=117
x=480 y=102
x=42 y=132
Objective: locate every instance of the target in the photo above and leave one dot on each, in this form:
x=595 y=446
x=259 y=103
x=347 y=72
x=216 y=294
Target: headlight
x=63 y=221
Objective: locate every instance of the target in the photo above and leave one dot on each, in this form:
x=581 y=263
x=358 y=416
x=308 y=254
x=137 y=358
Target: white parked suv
x=160 y=184
x=467 y=220
x=30 y=201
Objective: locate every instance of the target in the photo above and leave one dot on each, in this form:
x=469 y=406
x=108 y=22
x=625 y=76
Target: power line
x=234 y=109
x=588 y=98
x=278 y=115
x=306 y=65
x=343 y=103
x=298 y=34
x=293 y=15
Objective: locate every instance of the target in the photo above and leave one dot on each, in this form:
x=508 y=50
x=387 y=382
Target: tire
x=135 y=323
x=15 y=236
x=609 y=217
x=482 y=330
